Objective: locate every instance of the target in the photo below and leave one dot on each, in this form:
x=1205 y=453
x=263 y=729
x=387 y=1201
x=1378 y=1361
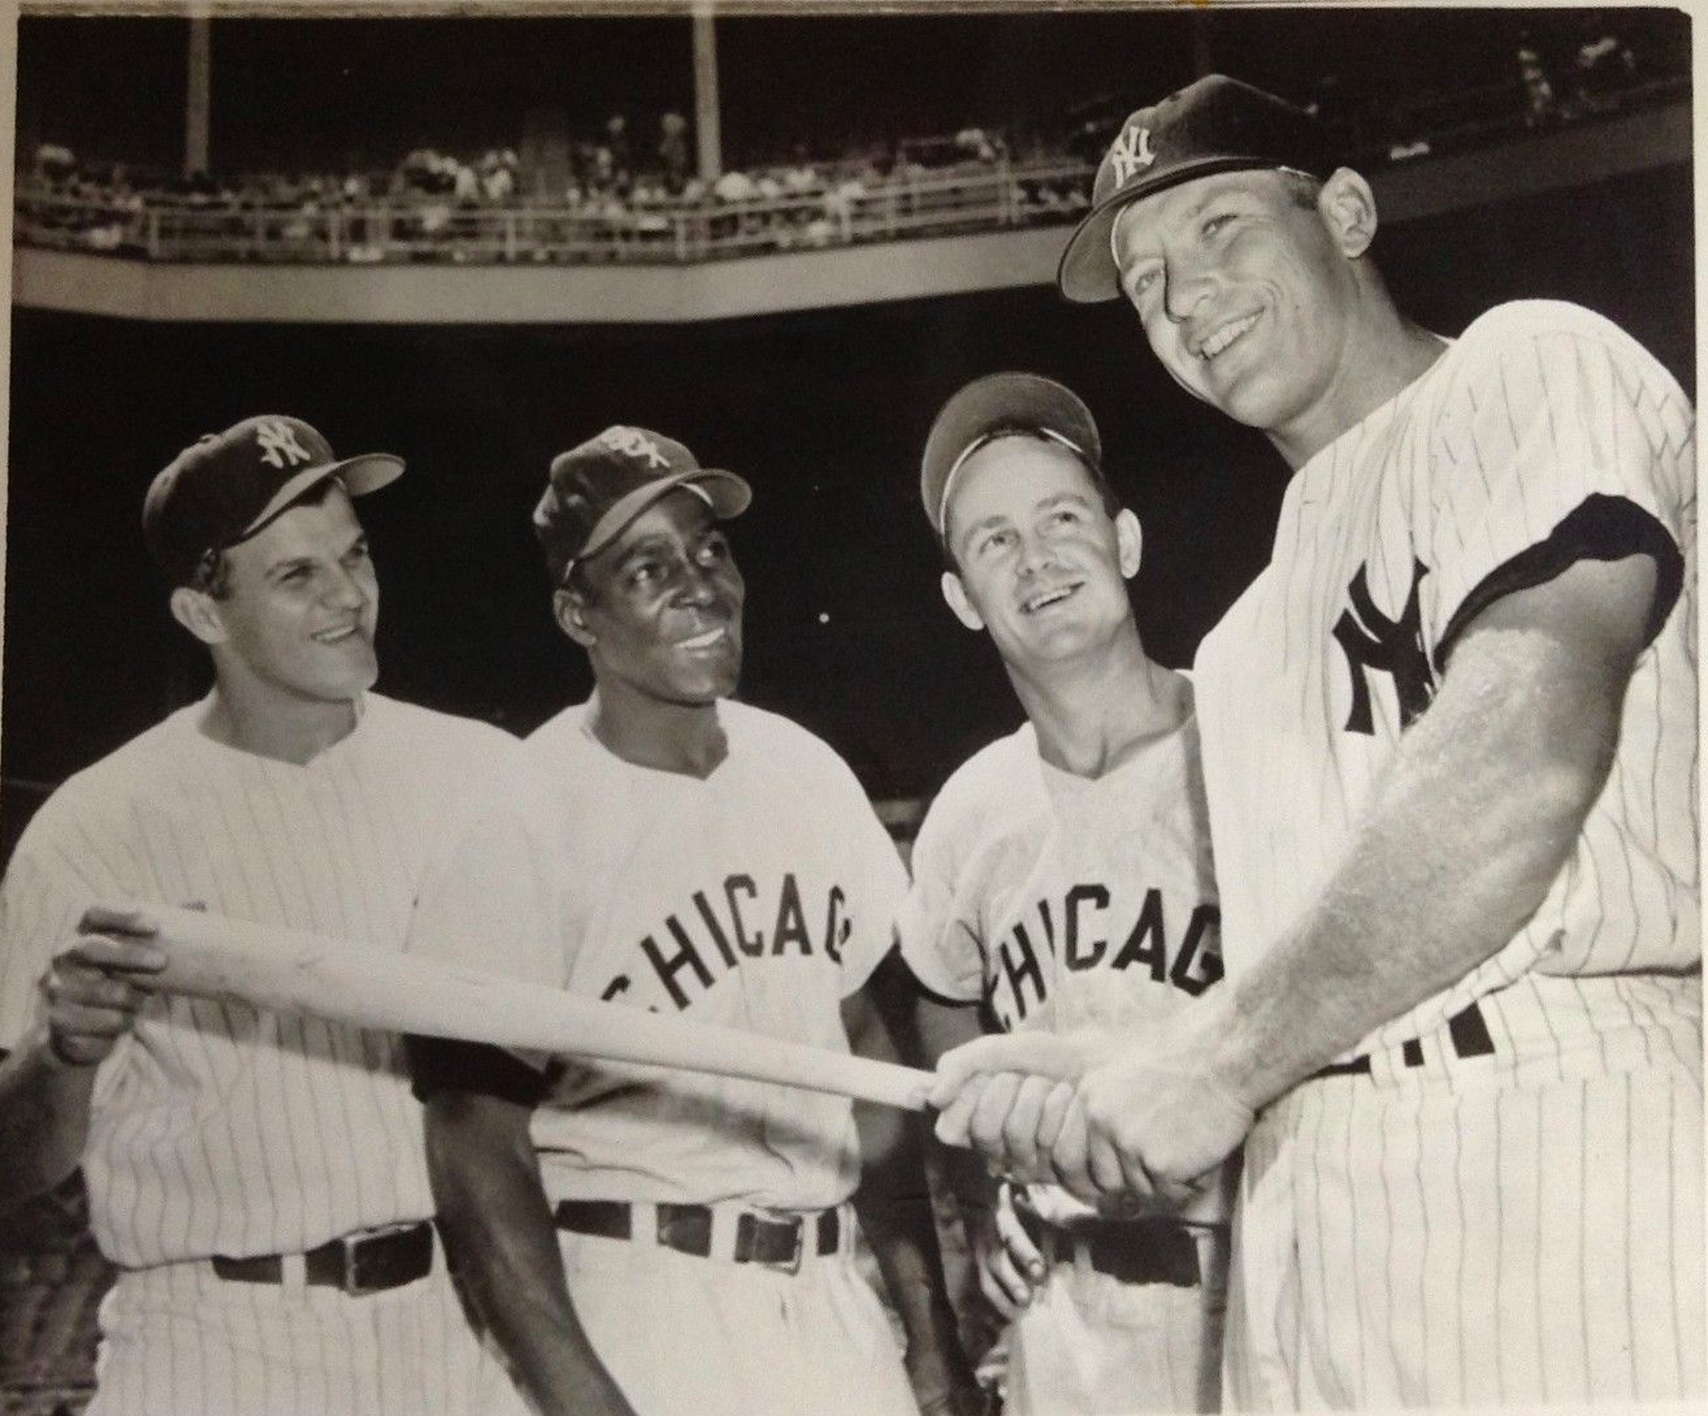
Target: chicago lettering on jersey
x=730 y=924
x=1372 y=641
x=1078 y=932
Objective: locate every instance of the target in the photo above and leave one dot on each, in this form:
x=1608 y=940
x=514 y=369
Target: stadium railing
x=164 y=227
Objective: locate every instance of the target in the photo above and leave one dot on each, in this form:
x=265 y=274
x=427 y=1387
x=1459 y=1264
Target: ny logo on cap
x=632 y=442
x=1131 y=153
x=279 y=444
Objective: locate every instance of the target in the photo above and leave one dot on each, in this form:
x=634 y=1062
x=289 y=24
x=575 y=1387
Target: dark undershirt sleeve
x=439 y=1064
x=1602 y=527
x=905 y=970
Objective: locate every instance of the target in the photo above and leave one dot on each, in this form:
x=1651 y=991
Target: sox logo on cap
x=632 y=442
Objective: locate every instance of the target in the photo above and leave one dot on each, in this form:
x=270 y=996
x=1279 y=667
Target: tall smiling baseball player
x=1450 y=751
x=258 y=1179
x=652 y=1241
x=1061 y=879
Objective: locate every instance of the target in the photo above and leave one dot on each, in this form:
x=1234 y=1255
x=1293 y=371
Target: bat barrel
x=286 y=970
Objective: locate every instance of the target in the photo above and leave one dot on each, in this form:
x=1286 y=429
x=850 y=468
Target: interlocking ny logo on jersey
x=279 y=444
x=1131 y=153
x=1394 y=647
x=632 y=442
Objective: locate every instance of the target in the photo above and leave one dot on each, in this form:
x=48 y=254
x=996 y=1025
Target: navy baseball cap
x=995 y=406
x=1215 y=125
x=595 y=490
x=225 y=487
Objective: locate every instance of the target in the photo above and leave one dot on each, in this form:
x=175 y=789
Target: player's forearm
x=44 y=1120
x=940 y=1028
x=498 y=1224
x=894 y=1198
x=894 y=1206
x=1478 y=814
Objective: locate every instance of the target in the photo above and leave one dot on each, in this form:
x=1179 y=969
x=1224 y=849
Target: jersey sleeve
x=1554 y=442
x=877 y=881
x=938 y=942
x=491 y=901
x=48 y=885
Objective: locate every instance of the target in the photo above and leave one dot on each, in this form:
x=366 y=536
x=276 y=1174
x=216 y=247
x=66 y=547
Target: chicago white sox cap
x=598 y=487
x=225 y=487
x=1215 y=125
x=1000 y=405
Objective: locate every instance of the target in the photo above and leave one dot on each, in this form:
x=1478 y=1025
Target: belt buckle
x=353 y=1276
x=792 y=1264
x=384 y=1267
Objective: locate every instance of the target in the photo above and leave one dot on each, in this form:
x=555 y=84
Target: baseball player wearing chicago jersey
x=1450 y=752
x=259 y=1180
x=1062 y=879
x=653 y=1241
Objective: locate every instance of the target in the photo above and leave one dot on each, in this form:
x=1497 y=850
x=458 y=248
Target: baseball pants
x=1486 y=1234
x=179 y=1339
x=1089 y=1344
x=684 y=1335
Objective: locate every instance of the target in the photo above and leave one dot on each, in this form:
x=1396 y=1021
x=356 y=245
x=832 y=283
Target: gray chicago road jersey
x=1063 y=902
x=757 y=898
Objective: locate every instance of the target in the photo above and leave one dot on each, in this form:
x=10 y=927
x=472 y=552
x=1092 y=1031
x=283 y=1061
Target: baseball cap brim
x=364 y=473
x=1087 y=273
x=727 y=494
x=1009 y=400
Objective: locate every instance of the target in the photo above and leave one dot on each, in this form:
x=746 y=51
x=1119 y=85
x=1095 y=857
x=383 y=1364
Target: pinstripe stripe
x=1631 y=1242
x=1669 y=1245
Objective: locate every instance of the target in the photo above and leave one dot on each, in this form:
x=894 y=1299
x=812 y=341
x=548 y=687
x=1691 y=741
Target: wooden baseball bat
x=291 y=971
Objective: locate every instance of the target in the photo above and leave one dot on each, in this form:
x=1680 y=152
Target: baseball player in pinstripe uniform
x=1450 y=751
x=663 y=1242
x=259 y=1180
x=1062 y=878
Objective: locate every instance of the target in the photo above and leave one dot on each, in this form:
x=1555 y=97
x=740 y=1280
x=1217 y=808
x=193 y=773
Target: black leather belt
x=357 y=1263
x=1467 y=1034
x=1145 y=1250
x=777 y=1241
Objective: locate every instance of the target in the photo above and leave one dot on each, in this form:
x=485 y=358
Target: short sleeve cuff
x=439 y=1064
x=1601 y=527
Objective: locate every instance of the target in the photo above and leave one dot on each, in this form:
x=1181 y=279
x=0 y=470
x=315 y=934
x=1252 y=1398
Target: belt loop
x=643 y=1224
x=293 y=1272
x=726 y=1220
x=1080 y=1246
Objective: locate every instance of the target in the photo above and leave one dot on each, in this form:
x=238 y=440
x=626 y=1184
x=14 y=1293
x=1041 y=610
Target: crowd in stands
x=606 y=194
x=633 y=192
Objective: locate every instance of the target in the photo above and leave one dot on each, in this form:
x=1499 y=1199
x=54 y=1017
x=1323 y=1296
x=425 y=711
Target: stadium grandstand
x=612 y=194
x=784 y=240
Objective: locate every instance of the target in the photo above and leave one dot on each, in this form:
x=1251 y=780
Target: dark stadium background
x=824 y=411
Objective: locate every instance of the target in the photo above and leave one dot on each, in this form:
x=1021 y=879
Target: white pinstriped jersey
x=221 y=1129
x=1543 y=435
x=1061 y=901
x=757 y=898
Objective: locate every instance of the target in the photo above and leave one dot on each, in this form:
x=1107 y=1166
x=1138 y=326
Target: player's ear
x=569 y=607
x=1348 y=206
x=956 y=594
x=1129 y=542
x=199 y=613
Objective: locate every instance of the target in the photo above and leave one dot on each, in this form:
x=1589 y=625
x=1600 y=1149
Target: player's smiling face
x=301 y=604
x=1041 y=563
x=661 y=612
x=1245 y=288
